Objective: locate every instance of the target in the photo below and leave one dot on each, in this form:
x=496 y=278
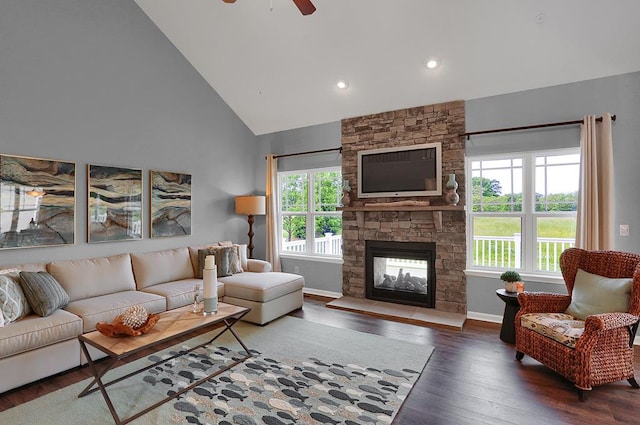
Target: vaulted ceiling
x=278 y=69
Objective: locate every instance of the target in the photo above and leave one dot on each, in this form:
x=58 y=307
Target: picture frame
x=170 y=204
x=114 y=203
x=37 y=202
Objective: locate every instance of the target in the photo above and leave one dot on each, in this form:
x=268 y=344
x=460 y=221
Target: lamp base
x=250 y=219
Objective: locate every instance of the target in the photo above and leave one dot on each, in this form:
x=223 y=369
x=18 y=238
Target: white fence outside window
x=505 y=251
x=489 y=251
x=330 y=244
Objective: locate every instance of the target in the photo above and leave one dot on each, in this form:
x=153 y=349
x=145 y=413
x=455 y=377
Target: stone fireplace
x=391 y=220
x=401 y=272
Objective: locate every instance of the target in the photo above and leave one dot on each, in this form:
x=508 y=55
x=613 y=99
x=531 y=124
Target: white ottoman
x=269 y=295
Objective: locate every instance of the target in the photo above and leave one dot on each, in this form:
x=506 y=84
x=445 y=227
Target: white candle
x=209 y=282
x=210 y=285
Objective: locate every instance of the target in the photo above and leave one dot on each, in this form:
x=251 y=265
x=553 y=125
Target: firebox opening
x=400 y=272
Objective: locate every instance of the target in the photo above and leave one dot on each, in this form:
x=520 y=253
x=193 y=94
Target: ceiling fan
x=305 y=6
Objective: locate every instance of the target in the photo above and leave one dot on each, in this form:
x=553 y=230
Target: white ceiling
x=278 y=69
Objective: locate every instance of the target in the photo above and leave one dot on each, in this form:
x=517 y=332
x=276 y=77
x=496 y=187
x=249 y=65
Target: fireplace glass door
x=401 y=272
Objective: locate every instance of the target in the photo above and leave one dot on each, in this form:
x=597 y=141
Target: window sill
x=316 y=258
x=526 y=276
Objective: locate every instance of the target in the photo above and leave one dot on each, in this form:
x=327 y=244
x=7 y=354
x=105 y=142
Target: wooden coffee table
x=172 y=324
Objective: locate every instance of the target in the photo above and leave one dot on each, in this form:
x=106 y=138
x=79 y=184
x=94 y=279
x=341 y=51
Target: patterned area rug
x=300 y=373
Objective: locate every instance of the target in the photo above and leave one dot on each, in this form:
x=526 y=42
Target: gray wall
x=318 y=275
x=95 y=81
x=619 y=95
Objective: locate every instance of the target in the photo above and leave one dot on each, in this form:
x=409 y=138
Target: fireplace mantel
x=435 y=209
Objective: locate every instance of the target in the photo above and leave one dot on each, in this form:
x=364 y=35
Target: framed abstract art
x=114 y=203
x=170 y=204
x=37 y=202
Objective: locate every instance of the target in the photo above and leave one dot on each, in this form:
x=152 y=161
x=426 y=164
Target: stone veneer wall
x=443 y=123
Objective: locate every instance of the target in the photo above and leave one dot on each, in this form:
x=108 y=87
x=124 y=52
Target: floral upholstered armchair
x=586 y=336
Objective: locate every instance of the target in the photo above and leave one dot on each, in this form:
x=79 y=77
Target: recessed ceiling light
x=432 y=63
x=342 y=85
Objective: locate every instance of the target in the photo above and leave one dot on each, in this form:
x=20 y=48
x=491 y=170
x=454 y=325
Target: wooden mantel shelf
x=404 y=208
x=435 y=209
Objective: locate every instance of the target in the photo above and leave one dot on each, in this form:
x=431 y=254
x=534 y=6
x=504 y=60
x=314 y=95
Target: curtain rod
x=528 y=127
x=284 y=155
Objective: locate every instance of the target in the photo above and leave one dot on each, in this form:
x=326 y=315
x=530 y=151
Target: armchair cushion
x=557 y=326
x=594 y=294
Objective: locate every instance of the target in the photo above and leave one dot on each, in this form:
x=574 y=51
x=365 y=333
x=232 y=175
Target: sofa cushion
x=13 y=302
x=594 y=294
x=35 y=332
x=105 y=308
x=180 y=293
x=557 y=326
x=44 y=293
x=94 y=276
x=161 y=266
x=261 y=287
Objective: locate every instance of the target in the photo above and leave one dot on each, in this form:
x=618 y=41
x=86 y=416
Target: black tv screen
x=406 y=171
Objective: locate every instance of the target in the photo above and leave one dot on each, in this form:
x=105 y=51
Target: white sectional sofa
x=99 y=289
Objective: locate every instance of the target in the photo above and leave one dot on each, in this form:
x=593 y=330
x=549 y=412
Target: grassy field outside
x=548 y=227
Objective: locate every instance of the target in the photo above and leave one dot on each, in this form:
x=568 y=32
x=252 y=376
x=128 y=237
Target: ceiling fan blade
x=305 y=6
x=229 y=1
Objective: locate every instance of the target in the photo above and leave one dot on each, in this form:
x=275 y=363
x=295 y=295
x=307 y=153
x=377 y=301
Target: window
x=310 y=222
x=523 y=209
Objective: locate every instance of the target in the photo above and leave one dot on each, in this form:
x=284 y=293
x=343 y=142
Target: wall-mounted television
x=403 y=171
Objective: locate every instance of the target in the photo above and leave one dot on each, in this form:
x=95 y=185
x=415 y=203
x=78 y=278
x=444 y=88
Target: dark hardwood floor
x=471 y=378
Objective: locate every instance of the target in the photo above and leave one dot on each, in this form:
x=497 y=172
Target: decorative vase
x=451 y=197
x=511 y=286
x=346 y=193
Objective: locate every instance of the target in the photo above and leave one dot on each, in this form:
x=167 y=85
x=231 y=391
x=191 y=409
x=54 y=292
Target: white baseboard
x=322 y=293
x=494 y=318
x=484 y=317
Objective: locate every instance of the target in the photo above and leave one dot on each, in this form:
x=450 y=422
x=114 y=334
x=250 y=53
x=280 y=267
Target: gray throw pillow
x=44 y=293
x=222 y=255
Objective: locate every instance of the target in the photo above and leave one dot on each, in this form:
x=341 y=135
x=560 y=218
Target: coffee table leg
x=98 y=380
x=230 y=329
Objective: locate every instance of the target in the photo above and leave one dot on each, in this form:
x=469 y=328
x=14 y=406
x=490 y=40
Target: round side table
x=511 y=308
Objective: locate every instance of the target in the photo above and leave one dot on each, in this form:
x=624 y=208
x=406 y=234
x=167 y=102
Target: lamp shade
x=250 y=205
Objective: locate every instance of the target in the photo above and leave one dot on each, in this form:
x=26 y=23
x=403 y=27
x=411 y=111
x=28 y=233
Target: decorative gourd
x=135 y=316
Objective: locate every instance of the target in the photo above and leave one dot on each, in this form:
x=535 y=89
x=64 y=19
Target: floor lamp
x=250 y=205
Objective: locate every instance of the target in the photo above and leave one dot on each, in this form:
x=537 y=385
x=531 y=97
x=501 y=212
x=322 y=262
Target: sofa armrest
x=258 y=266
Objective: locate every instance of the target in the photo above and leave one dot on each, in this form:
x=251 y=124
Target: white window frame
x=310 y=215
x=528 y=215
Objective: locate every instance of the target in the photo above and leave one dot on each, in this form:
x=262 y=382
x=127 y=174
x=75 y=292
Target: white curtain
x=595 y=198
x=272 y=213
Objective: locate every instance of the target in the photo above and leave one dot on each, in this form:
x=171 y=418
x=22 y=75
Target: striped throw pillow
x=13 y=303
x=44 y=293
